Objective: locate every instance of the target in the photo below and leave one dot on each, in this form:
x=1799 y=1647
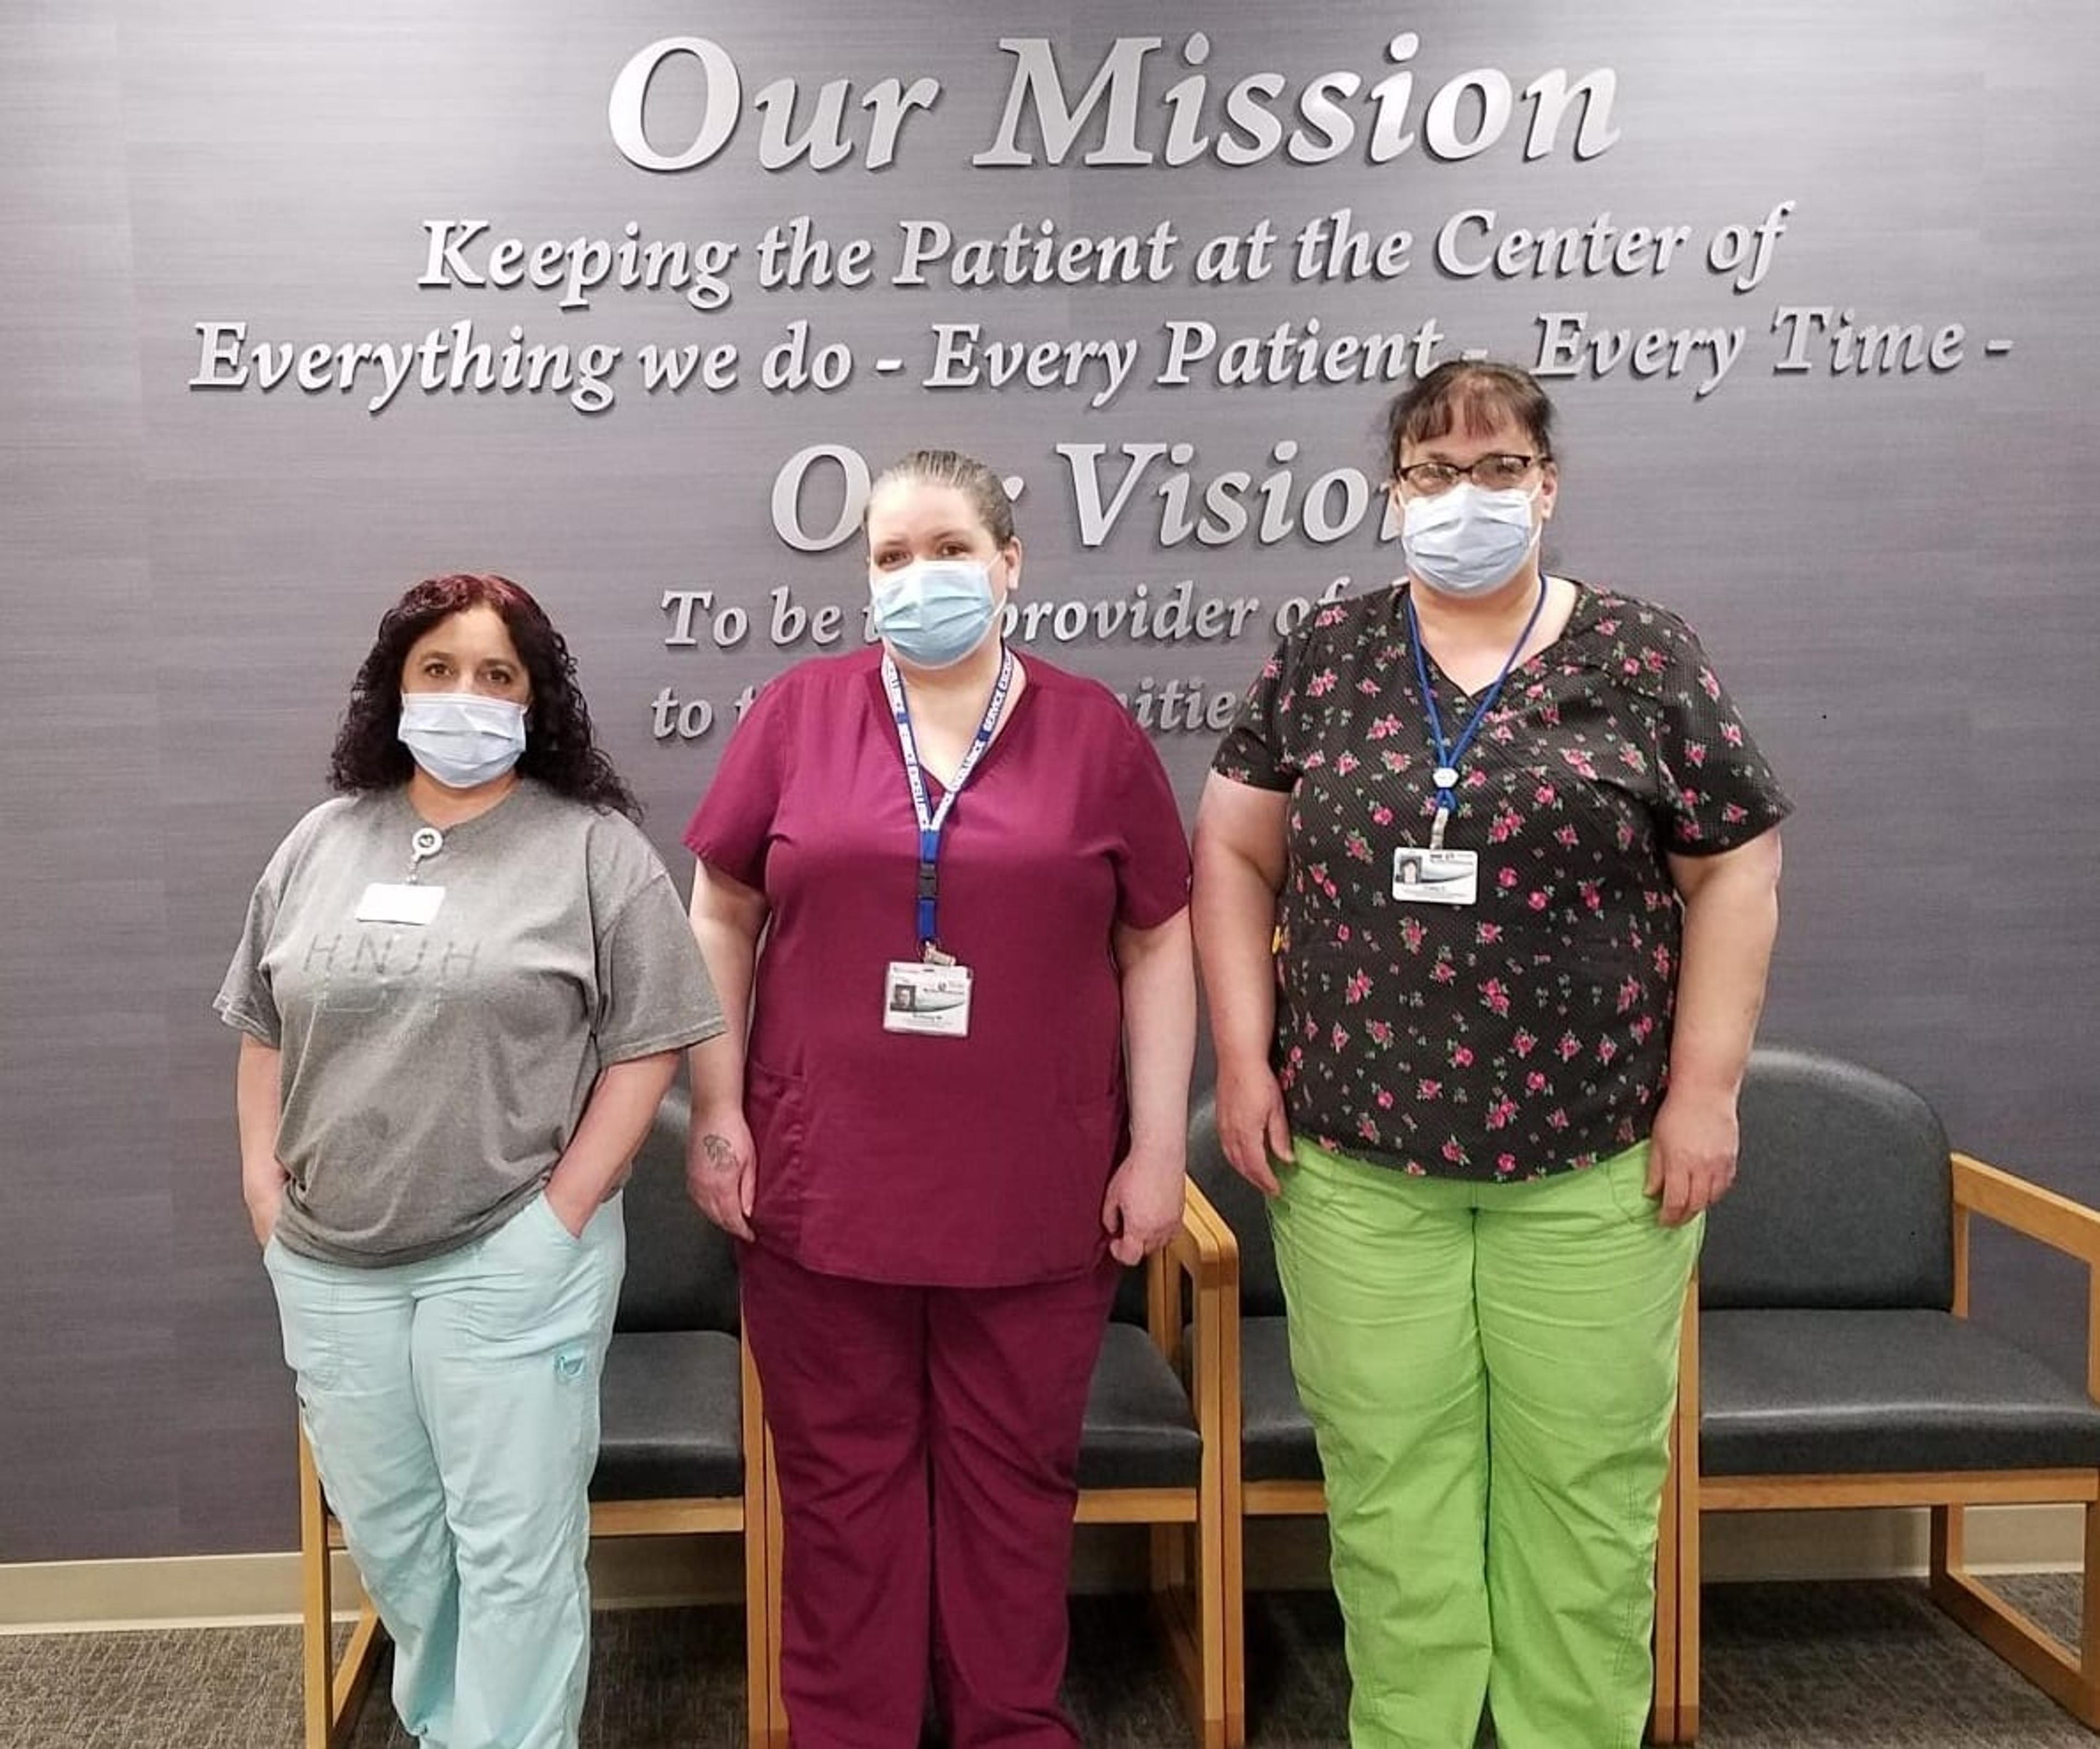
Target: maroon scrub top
x=955 y=1163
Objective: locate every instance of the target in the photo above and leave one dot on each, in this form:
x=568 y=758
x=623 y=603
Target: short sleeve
x=1152 y=860
x=653 y=990
x=1256 y=750
x=1717 y=792
x=244 y=997
x=732 y=828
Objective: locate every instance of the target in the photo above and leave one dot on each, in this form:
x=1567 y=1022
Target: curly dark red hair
x=559 y=750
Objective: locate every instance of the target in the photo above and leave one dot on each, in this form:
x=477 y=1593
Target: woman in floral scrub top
x=1486 y=886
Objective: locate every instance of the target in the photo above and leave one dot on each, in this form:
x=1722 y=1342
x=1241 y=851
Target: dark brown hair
x=1471 y=395
x=559 y=750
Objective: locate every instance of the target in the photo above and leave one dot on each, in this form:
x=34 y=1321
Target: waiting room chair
x=1830 y=1361
x=1157 y=1448
x=681 y=1412
x=1275 y=1462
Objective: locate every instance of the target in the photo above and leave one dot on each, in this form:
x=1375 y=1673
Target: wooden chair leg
x=1690 y=1624
x=1945 y=1553
x=334 y=1689
x=2070 y=1676
x=317 y=1652
x=759 y=1672
x=1688 y=1602
x=1662 y=1724
x=1233 y=1586
x=757 y=1650
x=353 y=1675
x=1208 y=1581
x=1185 y=1577
x=2087 y=1708
x=758 y=1658
x=776 y=1727
x=1212 y=1577
x=1232 y=1517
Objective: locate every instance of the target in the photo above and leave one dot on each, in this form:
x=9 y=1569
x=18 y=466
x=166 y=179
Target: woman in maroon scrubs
x=960 y=1108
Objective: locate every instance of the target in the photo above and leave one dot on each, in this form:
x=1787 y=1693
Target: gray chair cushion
x=671 y=1409
x=681 y=1267
x=1843 y=1195
x=1276 y=1437
x=1277 y=1443
x=1140 y=1431
x=1820 y=1392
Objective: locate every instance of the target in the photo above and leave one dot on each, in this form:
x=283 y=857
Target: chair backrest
x=1261 y=1290
x=1842 y=1197
x=1129 y=1306
x=680 y=1267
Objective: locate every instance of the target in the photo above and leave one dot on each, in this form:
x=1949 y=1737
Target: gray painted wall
x=1888 y=566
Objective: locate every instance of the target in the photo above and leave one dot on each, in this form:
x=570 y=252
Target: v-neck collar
x=878 y=702
x=1448 y=688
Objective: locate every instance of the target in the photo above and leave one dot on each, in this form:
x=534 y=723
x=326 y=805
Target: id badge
x=932 y=1000
x=1422 y=876
x=399 y=902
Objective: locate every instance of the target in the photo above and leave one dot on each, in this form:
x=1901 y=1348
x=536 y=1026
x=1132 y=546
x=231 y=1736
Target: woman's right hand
x=264 y=1194
x=1251 y=1125
x=721 y=1169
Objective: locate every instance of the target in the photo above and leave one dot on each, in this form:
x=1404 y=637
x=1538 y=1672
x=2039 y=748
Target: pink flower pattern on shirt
x=1528 y=1032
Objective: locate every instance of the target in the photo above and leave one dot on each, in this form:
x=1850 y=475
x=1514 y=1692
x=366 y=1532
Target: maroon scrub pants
x=927 y=1441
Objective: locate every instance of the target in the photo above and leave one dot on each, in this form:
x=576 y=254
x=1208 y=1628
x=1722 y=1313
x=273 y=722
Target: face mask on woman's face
x=1468 y=541
x=934 y=612
x=461 y=739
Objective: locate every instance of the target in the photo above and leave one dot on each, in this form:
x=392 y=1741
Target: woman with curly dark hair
x=464 y=985
x=370 y=754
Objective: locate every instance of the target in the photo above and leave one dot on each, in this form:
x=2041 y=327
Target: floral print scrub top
x=1527 y=1032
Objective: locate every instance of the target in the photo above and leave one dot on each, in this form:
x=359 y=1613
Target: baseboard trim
x=226 y=1591
x=1742 y=1546
x=61 y=1596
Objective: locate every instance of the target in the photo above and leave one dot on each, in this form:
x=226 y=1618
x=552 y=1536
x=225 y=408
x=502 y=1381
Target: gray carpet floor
x=1809 y=1667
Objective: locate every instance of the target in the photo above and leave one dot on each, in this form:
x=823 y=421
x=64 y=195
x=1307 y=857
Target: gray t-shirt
x=434 y=1072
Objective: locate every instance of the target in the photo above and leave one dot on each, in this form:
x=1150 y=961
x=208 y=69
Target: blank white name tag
x=1422 y=876
x=399 y=902
x=932 y=1000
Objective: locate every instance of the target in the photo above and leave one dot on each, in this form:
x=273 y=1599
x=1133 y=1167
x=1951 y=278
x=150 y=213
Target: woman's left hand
x=1142 y=1209
x=574 y=1214
x=1692 y=1154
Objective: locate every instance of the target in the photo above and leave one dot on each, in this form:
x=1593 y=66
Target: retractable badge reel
x=414 y=900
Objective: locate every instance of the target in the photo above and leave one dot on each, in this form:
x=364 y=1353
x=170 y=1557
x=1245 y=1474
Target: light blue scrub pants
x=452 y=1407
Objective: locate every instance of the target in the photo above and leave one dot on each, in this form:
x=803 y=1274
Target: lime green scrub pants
x=1490 y=1370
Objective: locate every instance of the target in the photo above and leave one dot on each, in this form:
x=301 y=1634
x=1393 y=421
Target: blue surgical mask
x=461 y=739
x=934 y=612
x=1468 y=541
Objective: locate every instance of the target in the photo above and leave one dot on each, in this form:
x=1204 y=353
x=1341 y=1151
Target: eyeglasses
x=1496 y=473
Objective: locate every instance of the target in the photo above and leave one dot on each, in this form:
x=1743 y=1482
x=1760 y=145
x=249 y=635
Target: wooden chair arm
x=2027 y=1208
x=1215 y=1247
x=1203 y=1248
x=1205 y=1251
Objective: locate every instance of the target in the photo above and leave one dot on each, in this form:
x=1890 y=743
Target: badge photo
x=931 y=1000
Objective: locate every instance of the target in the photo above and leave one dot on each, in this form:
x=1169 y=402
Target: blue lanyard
x=1445 y=776
x=932 y=821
